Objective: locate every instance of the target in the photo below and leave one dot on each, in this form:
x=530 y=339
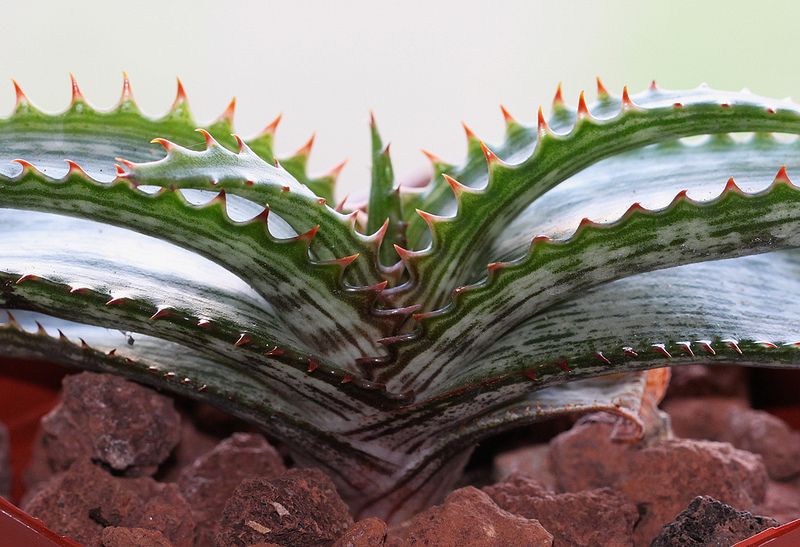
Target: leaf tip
x=210 y=140
x=558 y=98
x=127 y=93
x=626 y=99
x=273 y=125
x=77 y=96
x=507 y=117
x=782 y=176
x=491 y=157
x=731 y=186
x=305 y=150
x=433 y=158
x=583 y=109
x=541 y=123
x=602 y=92
x=229 y=112
x=180 y=96
x=337 y=169
x=469 y=133
x=243 y=339
x=75 y=169
x=19 y=96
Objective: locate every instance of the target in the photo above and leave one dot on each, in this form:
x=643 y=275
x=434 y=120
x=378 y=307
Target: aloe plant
x=382 y=343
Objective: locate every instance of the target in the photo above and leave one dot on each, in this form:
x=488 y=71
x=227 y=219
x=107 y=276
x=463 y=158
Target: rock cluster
x=118 y=465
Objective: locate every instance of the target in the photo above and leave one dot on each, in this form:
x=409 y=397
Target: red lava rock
x=370 y=532
x=193 y=444
x=782 y=501
x=469 y=518
x=85 y=499
x=586 y=457
x=660 y=479
x=213 y=477
x=300 y=508
x=702 y=380
x=729 y=420
x=532 y=461
x=105 y=418
x=710 y=522
x=5 y=463
x=116 y=536
x=592 y=517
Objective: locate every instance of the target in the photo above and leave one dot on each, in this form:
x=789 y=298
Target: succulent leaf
x=222 y=273
x=513 y=178
x=733 y=224
x=248 y=176
x=385 y=206
x=301 y=298
x=711 y=312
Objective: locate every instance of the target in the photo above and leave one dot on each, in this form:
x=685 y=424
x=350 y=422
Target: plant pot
x=19 y=528
x=787 y=535
x=28 y=391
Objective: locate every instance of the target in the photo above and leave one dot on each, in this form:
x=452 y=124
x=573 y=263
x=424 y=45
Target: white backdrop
x=422 y=66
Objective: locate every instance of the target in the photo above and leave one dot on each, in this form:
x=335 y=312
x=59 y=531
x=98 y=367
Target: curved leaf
x=245 y=174
x=655 y=116
x=301 y=291
x=384 y=199
x=651 y=176
x=734 y=224
x=97 y=137
x=729 y=311
x=263 y=393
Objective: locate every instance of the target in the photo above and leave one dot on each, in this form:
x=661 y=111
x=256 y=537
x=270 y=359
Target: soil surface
x=118 y=464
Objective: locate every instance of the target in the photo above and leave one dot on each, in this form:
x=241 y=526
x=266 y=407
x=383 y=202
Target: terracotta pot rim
x=19 y=528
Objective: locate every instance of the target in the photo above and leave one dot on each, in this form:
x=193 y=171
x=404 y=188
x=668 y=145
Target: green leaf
x=301 y=291
x=308 y=419
x=262 y=391
x=246 y=175
x=393 y=420
x=737 y=311
x=385 y=210
x=651 y=176
x=93 y=139
x=97 y=137
x=686 y=231
x=155 y=289
x=525 y=175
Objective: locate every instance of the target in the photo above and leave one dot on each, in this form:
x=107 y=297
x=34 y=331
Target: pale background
x=422 y=66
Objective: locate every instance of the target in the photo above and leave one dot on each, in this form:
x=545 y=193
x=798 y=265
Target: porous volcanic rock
x=661 y=479
x=5 y=462
x=117 y=536
x=213 y=477
x=730 y=420
x=710 y=523
x=105 y=418
x=782 y=501
x=593 y=517
x=469 y=518
x=586 y=456
x=532 y=461
x=85 y=499
x=300 y=508
x=193 y=444
x=370 y=532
